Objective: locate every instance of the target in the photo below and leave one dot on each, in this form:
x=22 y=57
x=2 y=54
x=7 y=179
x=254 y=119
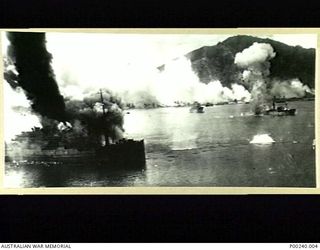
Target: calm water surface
x=191 y=149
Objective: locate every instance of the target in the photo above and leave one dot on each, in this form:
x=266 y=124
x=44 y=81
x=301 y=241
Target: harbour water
x=199 y=149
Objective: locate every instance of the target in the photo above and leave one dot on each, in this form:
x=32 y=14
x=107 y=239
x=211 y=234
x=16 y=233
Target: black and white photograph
x=158 y=109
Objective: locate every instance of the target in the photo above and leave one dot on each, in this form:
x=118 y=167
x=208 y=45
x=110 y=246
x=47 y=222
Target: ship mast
x=103 y=107
x=106 y=137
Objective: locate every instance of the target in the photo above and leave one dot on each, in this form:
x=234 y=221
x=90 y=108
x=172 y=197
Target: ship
x=125 y=154
x=33 y=147
x=279 y=110
x=196 y=108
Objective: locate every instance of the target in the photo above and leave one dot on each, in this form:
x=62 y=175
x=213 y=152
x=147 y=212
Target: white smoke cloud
x=289 y=89
x=16 y=122
x=127 y=65
x=178 y=82
x=240 y=93
x=256 y=54
x=256 y=62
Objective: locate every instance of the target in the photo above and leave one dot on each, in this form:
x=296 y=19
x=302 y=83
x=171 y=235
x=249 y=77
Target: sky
x=117 y=61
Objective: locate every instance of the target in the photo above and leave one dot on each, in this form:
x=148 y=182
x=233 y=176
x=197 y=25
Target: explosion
x=98 y=118
x=256 y=62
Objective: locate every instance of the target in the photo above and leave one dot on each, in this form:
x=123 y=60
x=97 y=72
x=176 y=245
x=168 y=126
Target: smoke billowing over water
x=289 y=88
x=27 y=51
x=98 y=117
x=179 y=83
x=255 y=62
x=29 y=72
x=65 y=95
x=176 y=85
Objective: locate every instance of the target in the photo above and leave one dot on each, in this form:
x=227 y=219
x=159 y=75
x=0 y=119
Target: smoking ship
x=280 y=110
x=87 y=135
x=126 y=153
x=62 y=145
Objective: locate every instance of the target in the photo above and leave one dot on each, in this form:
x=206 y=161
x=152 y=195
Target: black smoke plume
x=97 y=119
x=27 y=51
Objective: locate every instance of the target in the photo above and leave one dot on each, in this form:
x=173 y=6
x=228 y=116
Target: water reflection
x=70 y=175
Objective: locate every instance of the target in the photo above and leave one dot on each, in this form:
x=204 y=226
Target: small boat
x=197 y=108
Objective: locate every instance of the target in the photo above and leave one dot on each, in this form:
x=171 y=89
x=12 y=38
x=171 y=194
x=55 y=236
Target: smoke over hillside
x=179 y=83
x=217 y=61
x=289 y=89
x=176 y=85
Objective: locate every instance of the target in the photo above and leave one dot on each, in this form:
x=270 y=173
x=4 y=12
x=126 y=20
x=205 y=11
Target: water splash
x=262 y=139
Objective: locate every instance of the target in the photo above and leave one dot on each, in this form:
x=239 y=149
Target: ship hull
x=287 y=112
x=197 y=110
x=125 y=155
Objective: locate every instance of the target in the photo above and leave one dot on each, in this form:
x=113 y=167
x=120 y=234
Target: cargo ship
x=124 y=154
x=279 y=110
x=40 y=147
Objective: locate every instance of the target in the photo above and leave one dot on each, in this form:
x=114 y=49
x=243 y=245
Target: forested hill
x=217 y=62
